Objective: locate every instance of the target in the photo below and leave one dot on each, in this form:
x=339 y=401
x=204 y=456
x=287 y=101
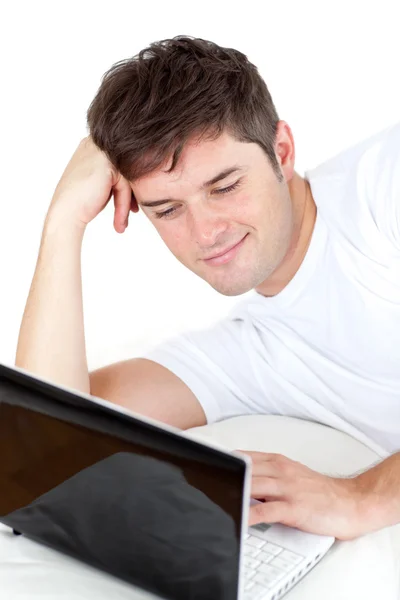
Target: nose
x=206 y=226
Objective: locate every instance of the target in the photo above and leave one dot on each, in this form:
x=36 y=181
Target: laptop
x=138 y=499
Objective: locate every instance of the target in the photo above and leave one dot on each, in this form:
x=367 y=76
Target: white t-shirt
x=327 y=347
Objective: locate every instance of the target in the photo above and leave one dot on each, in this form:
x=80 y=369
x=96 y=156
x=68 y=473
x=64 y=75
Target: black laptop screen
x=152 y=507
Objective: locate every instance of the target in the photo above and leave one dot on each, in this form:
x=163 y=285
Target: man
x=187 y=131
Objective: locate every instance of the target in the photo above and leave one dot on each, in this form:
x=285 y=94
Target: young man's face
x=248 y=209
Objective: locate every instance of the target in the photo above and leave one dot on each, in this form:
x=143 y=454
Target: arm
x=150 y=389
x=52 y=341
x=345 y=508
x=380 y=486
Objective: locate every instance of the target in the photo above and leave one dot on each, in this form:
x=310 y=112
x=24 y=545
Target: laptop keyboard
x=265 y=564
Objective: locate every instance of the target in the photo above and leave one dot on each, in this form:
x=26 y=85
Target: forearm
x=51 y=340
x=380 y=487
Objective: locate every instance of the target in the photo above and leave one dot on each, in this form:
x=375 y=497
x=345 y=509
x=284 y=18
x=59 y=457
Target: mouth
x=227 y=255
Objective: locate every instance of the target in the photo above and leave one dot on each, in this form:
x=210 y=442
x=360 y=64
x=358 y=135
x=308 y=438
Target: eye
x=230 y=188
x=170 y=211
x=166 y=213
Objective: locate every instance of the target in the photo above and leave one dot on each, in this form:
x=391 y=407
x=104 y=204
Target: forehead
x=198 y=162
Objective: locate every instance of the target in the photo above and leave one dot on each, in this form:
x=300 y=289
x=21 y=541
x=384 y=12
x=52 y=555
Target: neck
x=304 y=215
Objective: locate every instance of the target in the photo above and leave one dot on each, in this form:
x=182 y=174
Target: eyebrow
x=206 y=184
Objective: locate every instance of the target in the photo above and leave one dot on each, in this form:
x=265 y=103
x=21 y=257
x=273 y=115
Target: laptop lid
x=121 y=492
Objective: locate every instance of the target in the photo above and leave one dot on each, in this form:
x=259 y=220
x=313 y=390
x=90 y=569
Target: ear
x=134 y=204
x=285 y=149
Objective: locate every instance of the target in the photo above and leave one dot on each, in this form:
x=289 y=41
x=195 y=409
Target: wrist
x=354 y=506
x=370 y=506
x=62 y=224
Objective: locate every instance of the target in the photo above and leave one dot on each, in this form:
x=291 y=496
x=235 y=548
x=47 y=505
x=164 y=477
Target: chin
x=233 y=287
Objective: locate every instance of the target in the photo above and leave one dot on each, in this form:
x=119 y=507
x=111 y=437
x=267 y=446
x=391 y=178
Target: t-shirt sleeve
x=214 y=365
x=383 y=183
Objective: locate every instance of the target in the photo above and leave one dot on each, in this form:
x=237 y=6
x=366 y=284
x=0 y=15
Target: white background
x=332 y=69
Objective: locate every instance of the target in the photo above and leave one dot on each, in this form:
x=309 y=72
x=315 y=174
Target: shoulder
x=363 y=183
x=380 y=174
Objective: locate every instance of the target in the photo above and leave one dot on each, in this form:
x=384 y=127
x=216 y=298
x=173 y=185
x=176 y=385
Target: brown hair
x=147 y=107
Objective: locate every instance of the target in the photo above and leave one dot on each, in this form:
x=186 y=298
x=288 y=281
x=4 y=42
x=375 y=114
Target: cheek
x=175 y=238
x=246 y=210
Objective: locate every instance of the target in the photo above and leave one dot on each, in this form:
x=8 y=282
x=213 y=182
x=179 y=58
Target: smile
x=226 y=256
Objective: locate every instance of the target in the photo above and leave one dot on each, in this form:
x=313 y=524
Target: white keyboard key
x=250 y=563
x=272 y=548
x=255 y=541
x=257 y=591
x=251 y=550
x=248 y=585
x=249 y=573
x=272 y=572
x=264 y=556
x=265 y=580
x=291 y=557
x=285 y=565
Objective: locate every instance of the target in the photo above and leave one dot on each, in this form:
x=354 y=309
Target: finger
x=265 y=468
x=134 y=204
x=122 y=202
x=261 y=487
x=256 y=456
x=268 y=512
